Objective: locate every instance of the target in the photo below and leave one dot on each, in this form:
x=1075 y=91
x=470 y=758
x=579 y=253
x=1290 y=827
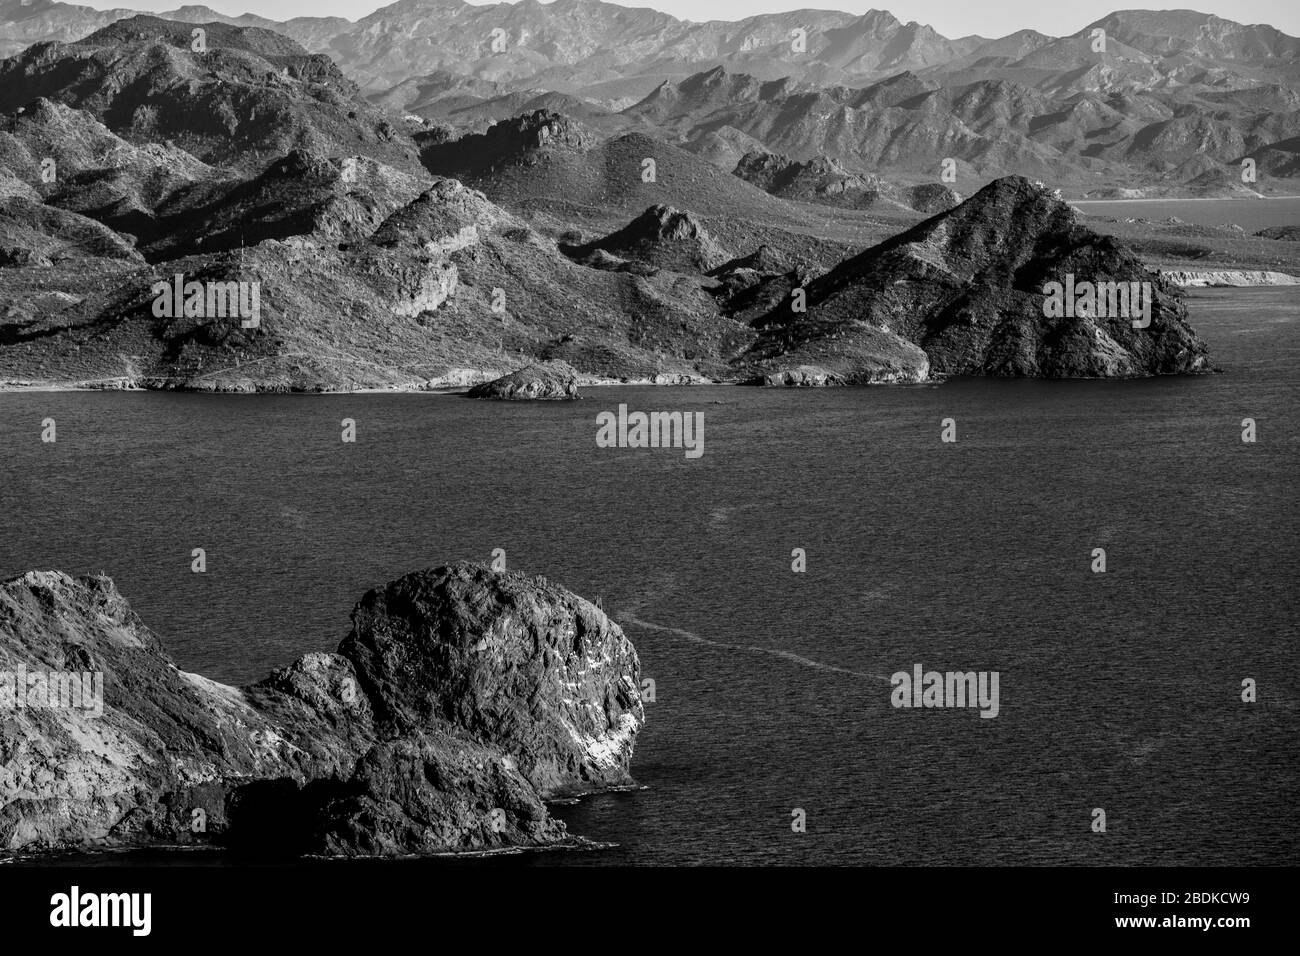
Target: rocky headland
x=459 y=703
x=963 y=293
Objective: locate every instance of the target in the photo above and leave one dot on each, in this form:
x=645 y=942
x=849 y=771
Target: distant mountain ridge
x=1155 y=100
x=989 y=127
x=584 y=42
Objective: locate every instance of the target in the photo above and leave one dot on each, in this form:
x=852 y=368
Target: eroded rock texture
x=460 y=701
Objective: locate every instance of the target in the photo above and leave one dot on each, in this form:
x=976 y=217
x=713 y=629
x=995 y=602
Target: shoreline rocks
x=1236 y=278
x=461 y=700
x=804 y=376
x=545 y=381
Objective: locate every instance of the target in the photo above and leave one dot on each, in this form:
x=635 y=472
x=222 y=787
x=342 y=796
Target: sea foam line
x=754 y=649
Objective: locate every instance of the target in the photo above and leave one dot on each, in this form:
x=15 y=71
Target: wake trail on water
x=749 y=648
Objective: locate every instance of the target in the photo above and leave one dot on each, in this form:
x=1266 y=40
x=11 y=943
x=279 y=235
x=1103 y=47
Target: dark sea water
x=1118 y=690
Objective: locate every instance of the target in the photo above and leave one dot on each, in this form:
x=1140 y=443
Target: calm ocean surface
x=1118 y=690
x=1251 y=214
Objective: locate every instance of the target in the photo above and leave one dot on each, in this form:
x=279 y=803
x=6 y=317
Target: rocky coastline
x=348 y=249
x=461 y=701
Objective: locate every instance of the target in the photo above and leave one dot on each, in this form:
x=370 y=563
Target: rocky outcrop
x=1285 y=233
x=12 y=186
x=854 y=355
x=75 y=162
x=461 y=700
x=37 y=234
x=431 y=792
x=608 y=262
x=747 y=283
x=553 y=380
x=515 y=141
x=764 y=260
x=339 y=201
x=510 y=660
x=830 y=183
x=1227 y=277
x=663 y=237
x=805 y=376
x=818 y=180
x=443 y=219
x=931 y=198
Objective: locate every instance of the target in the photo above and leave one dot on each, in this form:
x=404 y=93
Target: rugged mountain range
x=420 y=255
x=1173 y=101
x=246 y=95
x=910 y=124
x=585 y=42
x=368 y=273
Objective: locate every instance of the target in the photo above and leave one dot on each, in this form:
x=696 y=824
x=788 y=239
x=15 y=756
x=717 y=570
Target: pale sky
x=950 y=17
